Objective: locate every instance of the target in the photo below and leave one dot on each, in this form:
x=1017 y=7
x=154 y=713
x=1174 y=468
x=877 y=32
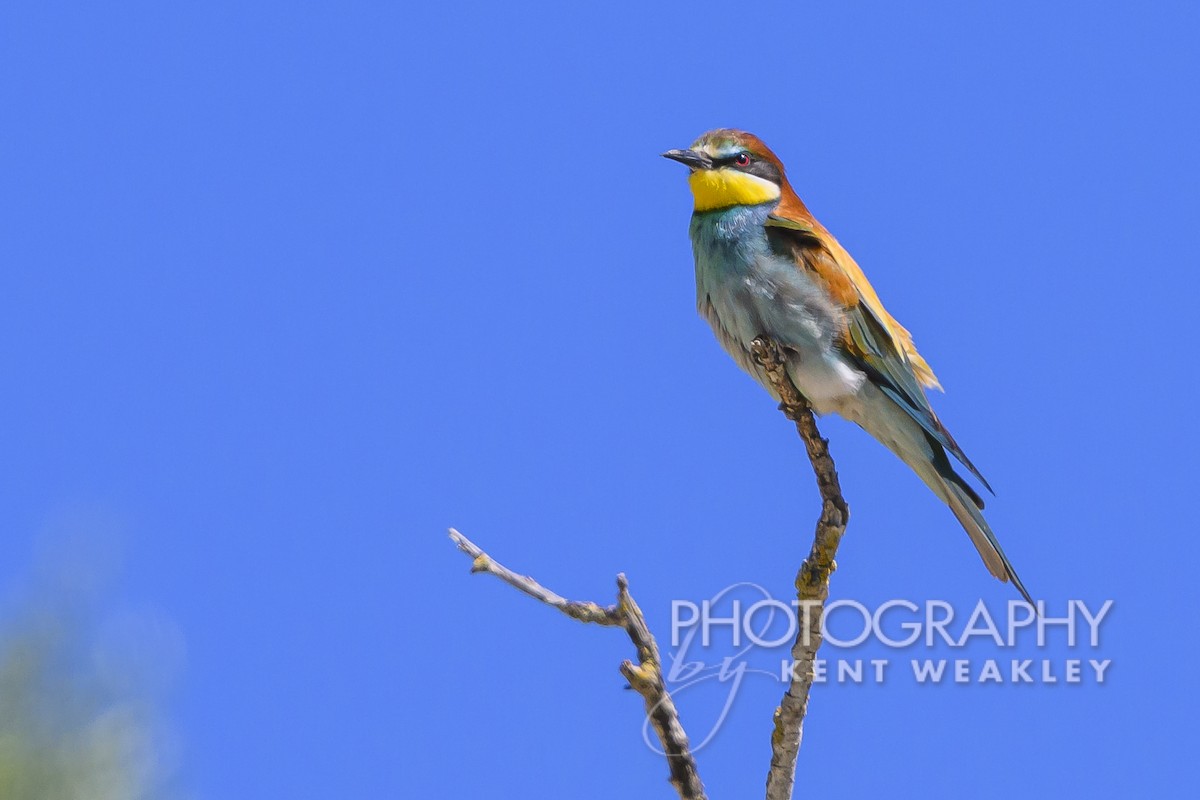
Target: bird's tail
x=882 y=418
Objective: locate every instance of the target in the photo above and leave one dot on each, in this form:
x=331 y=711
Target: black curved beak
x=690 y=158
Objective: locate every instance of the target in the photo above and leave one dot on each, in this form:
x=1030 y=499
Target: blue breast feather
x=745 y=289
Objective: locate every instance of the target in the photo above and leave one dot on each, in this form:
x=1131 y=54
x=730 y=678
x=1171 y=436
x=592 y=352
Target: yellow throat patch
x=722 y=188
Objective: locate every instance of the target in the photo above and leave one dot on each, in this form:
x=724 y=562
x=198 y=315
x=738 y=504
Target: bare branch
x=812 y=581
x=812 y=589
x=582 y=611
x=645 y=677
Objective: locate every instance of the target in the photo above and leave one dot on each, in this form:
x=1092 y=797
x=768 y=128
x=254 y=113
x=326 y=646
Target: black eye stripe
x=757 y=166
x=730 y=161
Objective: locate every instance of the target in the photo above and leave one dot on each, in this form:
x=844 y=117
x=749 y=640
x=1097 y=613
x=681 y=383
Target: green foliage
x=78 y=700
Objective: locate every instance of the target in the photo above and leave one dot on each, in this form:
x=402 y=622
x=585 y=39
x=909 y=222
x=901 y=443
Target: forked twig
x=645 y=677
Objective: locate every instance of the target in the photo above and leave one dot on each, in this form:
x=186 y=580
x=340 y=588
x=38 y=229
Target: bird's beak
x=690 y=158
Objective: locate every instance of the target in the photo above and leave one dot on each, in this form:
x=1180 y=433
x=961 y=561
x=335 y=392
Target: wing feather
x=877 y=343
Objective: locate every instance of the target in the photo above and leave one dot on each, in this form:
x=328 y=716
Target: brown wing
x=828 y=261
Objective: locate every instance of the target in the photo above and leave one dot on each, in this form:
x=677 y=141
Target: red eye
x=742 y=159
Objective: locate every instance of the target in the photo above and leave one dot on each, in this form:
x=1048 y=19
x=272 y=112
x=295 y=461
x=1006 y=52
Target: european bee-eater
x=766 y=267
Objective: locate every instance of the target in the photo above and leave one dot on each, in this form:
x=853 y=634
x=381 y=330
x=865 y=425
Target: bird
x=766 y=267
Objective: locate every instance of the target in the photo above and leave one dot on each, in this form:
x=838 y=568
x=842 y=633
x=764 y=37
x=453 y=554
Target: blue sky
x=291 y=288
